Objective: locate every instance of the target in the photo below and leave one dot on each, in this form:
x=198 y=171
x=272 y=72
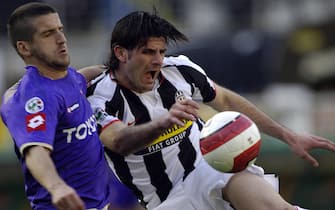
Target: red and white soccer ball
x=230 y=141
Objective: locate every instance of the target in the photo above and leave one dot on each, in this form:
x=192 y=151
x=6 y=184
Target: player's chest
x=75 y=109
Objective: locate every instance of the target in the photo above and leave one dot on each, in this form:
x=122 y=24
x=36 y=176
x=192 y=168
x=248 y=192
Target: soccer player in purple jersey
x=50 y=119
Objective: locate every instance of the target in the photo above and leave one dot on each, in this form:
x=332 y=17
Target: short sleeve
x=32 y=120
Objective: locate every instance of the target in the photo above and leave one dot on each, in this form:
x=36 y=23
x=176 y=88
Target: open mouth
x=152 y=73
x=63 y=51
x=150 y=76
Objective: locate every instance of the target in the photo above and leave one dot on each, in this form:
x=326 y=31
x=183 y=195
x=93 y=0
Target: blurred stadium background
x=279 y=54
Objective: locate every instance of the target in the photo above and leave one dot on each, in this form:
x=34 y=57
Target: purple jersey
x=56 y=115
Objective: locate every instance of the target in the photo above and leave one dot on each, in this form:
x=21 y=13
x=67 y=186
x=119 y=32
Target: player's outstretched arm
x=125 y=139
x=301 y=144
x=42 y=168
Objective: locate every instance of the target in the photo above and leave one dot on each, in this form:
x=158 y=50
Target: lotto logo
x=36 y=122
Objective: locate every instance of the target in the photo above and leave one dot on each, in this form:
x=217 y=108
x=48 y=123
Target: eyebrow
x=148 y=49
x=50 y=30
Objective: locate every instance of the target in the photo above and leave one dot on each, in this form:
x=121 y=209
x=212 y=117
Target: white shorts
x=202 y=189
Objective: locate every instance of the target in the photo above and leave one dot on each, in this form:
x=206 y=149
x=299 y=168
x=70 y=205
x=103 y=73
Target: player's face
x=48 y=48
x=143 y=65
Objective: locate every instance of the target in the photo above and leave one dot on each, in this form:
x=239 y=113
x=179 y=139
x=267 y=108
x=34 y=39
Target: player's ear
x=23 y=48
x=120 y=53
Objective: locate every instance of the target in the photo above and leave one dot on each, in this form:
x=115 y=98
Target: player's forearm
x=90 y=72
x=128 y=139
x=42 y=168
x=233 y=101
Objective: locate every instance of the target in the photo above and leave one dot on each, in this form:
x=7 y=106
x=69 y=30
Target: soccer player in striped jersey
x=153 y=146
x=51 y=121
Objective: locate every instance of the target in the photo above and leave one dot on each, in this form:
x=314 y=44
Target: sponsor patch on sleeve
x=36 y=122
x=34 y=105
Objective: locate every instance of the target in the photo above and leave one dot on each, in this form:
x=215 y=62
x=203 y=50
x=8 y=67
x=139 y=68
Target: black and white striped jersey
x=153 y=171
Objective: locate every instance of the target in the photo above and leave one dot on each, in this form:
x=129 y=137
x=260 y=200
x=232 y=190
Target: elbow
x=121 y=147
x=116 y=145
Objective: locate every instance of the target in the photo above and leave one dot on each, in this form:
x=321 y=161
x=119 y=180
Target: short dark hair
x=134 y=30
x=19 y=25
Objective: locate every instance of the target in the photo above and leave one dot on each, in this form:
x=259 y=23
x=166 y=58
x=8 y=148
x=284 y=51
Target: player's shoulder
x=25 y=86
x=74 y=73
x=99 y=78
x=180 y=62
x=31 y=85
x=99 y=85
x=176 y=60
x=22 y=95
x=10 y=92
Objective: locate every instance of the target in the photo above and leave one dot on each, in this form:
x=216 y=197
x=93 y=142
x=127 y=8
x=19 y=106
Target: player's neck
x=120 y=79
x=50 y=72
x=53 y=74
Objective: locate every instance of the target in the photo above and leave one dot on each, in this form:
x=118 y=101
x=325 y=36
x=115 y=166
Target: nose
x=61 y=37
x=158 y=58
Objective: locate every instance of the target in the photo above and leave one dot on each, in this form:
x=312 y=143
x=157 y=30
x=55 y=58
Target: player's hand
x=302 y=144
x=65 y=198
x=182 y=110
